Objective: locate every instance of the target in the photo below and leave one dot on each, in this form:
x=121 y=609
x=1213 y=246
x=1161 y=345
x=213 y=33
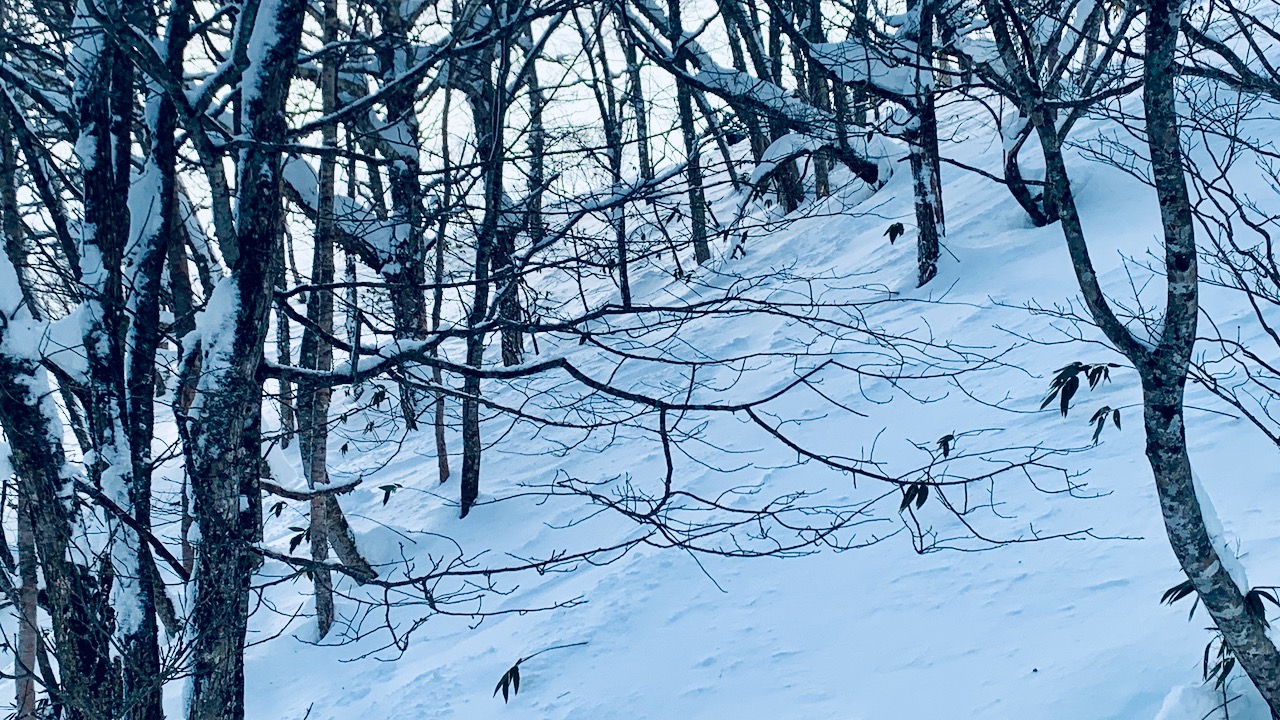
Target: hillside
x=1061 y=628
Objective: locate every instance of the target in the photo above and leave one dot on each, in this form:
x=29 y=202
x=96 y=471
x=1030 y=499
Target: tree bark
x=406 y=274
x=786 y=178
x=1162 y=362
x=922 y=141
x=121 y=355
x=611 y=122
x=437 y=293
x=24 y=660
x=1166 y=370
x=487 y=101
x=76 y=600
x=635 y=98
x=316 y=353
x=226 y=419
x=13 y=245
x=818 y=91
x=693 y=169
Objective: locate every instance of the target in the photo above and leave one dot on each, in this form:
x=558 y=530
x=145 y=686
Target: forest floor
x=1059 y=629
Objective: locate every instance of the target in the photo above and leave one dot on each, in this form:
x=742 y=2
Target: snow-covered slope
x=1058 y=629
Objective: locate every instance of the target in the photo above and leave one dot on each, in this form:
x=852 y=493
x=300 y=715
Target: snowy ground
x=1059 y=629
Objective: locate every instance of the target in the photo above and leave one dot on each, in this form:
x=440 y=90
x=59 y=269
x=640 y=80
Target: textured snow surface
x=1052 y=630
x=1055 y=630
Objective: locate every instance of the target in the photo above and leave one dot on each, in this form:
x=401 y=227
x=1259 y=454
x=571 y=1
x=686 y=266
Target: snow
x=351 y=215
x=88 y=44
x=391 y=350
x=1227 y=550
x=784 y=148
x=793 y=145
x=1013 y=125
x=199 y=240
x=1200 y=702
x=10 y=293
x=1050 y=630
x=263 y=39
x=396 y=135
x=144 y=213
x=777 y=99
x=216 y=329
x=853 y=62
x=126 y=590
x=25 y=338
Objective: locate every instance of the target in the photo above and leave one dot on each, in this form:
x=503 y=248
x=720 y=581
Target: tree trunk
x=121 y=356
x=76 y=601
x=13 y=245
x=611 y=123
x=1165 y=371
x=487 y=100
x=226 y=419
x=922 y=141
x=635 y=98
x=316 y=353
x=437 y=279
x=786 y=178
x=1166 y=450
x=496 y=240
x=537 y=144
x=407 y=275
x=819 y=93
x=1017 y=185
x=1163 y=368
x=744 y=35
x=182 y=299
x=24 y=661
x=693 y=170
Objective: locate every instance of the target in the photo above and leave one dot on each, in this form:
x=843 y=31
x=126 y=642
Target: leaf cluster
x=916 y=492
x=509 y=683
x=1066 y=382
x=1219 y=660
x=1099 y=420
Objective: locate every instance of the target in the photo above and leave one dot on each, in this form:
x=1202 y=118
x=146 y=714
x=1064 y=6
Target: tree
x=179 y=191
x=1163 y=359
